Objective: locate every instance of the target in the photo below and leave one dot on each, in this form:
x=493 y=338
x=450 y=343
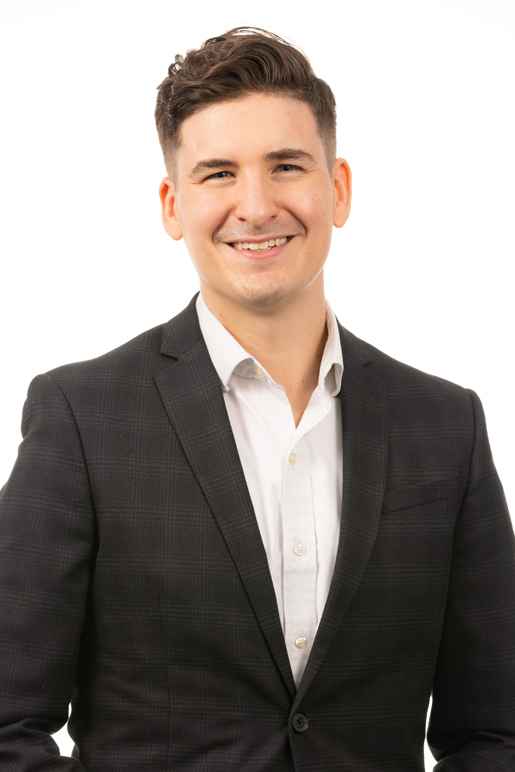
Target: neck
x=288 y=342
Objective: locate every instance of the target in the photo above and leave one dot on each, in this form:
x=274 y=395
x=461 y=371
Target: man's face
x=254 y=197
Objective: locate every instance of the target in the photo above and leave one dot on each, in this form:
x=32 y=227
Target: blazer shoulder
x=133 y=359
x=401 y=377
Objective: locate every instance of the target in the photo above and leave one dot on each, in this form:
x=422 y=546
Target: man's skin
x=274 y=307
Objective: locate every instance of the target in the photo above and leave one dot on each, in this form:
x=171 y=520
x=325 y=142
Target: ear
x=168 y=209
x=342 y=177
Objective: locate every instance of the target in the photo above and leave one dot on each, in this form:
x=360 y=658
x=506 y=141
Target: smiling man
x=247 y=539
x=251 y=171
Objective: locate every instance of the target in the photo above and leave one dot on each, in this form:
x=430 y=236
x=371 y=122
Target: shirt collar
x=230 y=358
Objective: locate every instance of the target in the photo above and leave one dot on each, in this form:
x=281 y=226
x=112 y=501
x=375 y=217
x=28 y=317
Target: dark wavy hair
x=240 y=62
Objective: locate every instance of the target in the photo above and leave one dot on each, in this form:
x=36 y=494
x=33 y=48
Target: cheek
x=314 y=208
x=203 y=213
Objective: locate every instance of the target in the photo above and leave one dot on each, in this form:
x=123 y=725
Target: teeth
x=264 y=245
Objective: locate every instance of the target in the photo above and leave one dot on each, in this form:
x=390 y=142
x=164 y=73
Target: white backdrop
x=426 y=120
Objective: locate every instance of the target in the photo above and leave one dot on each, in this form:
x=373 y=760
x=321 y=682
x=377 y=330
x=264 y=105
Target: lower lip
x=255 y=254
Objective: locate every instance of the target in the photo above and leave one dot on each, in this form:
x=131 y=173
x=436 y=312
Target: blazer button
x=300 y=722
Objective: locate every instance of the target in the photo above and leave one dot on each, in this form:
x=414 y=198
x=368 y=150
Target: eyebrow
x=284 y=153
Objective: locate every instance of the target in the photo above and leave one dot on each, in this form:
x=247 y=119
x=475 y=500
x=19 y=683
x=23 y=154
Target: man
x=247 y=539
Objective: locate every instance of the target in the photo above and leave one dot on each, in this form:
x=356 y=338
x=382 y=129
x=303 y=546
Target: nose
x=256 y=200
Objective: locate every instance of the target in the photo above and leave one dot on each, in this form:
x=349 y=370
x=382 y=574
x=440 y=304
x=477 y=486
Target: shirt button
x=292 y=458
x=300 y=548
x=300 y=642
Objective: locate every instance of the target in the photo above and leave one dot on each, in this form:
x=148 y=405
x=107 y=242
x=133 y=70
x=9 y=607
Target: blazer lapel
x=193 y=397
x=364 y=447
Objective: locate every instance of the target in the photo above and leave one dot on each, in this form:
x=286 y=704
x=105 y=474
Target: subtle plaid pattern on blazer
x=134 y=582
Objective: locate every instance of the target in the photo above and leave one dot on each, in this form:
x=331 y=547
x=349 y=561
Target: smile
x=259 y=254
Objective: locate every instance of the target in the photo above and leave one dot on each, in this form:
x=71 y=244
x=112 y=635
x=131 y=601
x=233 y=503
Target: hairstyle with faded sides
x=242 y=61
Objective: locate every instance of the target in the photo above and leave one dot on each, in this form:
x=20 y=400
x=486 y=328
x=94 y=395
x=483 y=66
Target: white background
x=423 y=269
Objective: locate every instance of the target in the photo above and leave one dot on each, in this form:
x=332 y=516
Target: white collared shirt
x=294 y=474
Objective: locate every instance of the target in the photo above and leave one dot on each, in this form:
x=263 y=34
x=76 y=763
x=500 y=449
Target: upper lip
x=259 y=239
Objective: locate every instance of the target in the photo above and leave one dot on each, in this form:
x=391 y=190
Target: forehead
x=248 y=126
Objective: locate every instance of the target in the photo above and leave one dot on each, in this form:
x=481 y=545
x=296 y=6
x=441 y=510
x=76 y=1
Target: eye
x=214 y=176
x=293 y=166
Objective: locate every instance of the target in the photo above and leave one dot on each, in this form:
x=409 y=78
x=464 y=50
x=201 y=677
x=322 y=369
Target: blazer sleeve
x=472 y=720
x=46 y=542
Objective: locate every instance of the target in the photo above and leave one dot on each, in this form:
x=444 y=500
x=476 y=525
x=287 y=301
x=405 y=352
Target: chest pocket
x=432 y=497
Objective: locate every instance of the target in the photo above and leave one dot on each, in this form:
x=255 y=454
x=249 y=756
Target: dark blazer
x=134 y=582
